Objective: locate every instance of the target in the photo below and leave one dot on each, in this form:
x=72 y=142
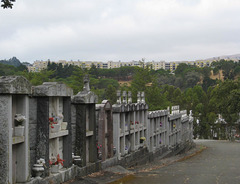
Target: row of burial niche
x=174 y=126
x=53 y=125
x=158 y=121
x=132 y=123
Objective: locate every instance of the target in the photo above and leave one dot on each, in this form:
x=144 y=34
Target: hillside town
x=154 y=65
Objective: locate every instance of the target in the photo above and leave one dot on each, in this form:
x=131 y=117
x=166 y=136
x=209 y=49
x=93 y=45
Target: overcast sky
x=103 y=30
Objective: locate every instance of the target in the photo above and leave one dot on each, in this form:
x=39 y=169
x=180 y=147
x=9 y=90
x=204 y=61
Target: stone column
x=132 y=115
x=100 y=128
x=143 y=97
x=129 y=97
x=5 y=138
x=92 y=141
x=23 y=158
x=116 y=128
x=124 y=95
x=138 y=97
x=14 y=149
x=80 y=142
x=167 y=121
x=42 y=145
x=105 y=122
x=67 y=142
x=110 y=133
x=119 y=101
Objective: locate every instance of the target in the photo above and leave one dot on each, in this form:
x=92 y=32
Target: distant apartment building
x=172 y=66
x=118 y=64
x=38 y=66
x=112 y=64
x=202 y=64
x=154 y=65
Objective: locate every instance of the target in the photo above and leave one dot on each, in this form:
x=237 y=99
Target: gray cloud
x=119 y=30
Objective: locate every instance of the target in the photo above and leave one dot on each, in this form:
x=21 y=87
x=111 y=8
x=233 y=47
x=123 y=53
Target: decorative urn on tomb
x=38 y=168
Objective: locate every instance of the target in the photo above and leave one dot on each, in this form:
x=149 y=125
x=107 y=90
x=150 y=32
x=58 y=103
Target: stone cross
x=124 y=94
x=139 y=97
x=129 y=97
x=143 y=97
x=119 y=97
x=86 y=87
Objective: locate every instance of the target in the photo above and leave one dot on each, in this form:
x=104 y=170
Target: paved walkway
x=218 y=164
x=211 y=162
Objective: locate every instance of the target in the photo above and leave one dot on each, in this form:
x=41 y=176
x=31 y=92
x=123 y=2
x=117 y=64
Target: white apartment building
x=155 y=65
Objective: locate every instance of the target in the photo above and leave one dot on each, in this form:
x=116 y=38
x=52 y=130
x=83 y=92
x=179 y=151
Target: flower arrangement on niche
x=174 y=125
x=52 y=122
x=126 y=126
x=59 y=118
x=56 y=123
x=56 y=120
x=56 y=160
x=131 y=125
x=126 y=149
x=160 y=124
x=99 y=146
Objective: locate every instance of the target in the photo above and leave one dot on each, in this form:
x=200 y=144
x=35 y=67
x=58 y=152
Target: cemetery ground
x=118 y=174
x=218 y=163
x=210 y=161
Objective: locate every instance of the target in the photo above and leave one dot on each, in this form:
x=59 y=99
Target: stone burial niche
x=53 y=112
x=85 y=125
x=14 y=126
x=104 y=130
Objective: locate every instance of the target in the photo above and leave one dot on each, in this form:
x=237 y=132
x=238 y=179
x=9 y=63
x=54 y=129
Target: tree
x=94 y=71
x=75 y=81
x=7 y=69
x=111 y=94
x=38 y=78
x=22 y=68
x=181 y=69
x=228 y=68
x=225 y=99
x=7 y=3
x=155 y=98
x=103 y=83
x=177 y=100
x=192 y=78
x=140 y=79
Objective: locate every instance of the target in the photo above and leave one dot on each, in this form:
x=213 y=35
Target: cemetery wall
x=87 y=136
